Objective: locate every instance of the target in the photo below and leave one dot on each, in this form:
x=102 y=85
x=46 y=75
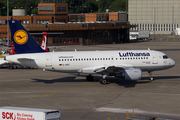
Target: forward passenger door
x=154 y=59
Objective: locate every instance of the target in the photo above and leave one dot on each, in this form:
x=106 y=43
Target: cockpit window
x=165 y=57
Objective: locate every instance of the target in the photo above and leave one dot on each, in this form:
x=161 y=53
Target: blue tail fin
x=23 y=42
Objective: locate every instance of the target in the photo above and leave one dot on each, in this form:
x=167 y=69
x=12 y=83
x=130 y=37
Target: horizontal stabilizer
x=2 y=56
x=27 y=58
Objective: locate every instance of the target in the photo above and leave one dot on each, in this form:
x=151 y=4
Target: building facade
x=83 y=29
x=157 y=16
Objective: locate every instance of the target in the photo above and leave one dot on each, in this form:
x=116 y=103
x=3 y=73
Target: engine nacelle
x=130 y=74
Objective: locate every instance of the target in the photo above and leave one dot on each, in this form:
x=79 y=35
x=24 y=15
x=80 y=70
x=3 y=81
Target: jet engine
x=130 y=74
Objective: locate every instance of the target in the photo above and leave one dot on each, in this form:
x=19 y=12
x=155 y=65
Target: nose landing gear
x=150 y=76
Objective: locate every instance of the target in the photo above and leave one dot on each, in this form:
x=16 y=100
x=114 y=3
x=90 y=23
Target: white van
x=20 y=113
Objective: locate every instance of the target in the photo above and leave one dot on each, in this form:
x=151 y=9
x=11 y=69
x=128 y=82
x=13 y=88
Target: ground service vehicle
x=20 y=113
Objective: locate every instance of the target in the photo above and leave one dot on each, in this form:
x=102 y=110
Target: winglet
x=148 y=49
x=23 y=41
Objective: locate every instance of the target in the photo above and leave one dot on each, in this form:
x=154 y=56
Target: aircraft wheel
x=151 y=78
x=103 y=81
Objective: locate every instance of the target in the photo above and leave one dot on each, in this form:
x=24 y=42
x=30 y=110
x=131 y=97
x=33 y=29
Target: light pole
x=126 y=6
x=172 y=17
x=154 y=21
x=8 y=21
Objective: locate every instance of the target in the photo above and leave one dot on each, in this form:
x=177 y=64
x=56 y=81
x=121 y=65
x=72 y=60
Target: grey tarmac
x=78 y=99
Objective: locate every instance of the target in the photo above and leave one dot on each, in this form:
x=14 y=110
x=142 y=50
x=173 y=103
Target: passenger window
x=62 y=59
x=59 y=59
x=92 y=58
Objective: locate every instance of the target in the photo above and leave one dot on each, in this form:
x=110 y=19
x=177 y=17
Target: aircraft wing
x=115 y=68
x=105 y=69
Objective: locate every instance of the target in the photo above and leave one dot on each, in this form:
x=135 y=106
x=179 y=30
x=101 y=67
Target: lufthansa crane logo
x=20 y=37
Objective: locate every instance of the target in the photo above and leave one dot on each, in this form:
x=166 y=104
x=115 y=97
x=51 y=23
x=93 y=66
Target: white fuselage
x=75 y=61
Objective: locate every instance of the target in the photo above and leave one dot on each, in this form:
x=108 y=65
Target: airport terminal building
x=159 y=16
x=71 y=29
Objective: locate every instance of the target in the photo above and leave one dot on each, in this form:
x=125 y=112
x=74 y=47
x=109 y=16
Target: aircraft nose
x=172 y=62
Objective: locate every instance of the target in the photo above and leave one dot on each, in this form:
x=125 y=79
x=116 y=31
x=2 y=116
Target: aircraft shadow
x=119 y=81
x=65 y=79
x=165 y=77
x=127 y=83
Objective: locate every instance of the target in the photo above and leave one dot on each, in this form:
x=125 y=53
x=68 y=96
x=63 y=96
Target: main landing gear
x=102 y=80
x=150 y=76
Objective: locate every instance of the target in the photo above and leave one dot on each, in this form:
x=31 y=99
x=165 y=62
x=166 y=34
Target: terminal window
x=61 y=8
x=46 y=8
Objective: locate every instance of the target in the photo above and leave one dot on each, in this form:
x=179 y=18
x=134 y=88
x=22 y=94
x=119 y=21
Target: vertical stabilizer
x=23 y=42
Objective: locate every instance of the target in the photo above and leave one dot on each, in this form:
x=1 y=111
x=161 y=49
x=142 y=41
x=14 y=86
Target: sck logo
x=8 y=115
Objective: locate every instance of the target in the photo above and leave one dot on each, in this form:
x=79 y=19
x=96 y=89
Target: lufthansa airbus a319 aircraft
x=125 y=64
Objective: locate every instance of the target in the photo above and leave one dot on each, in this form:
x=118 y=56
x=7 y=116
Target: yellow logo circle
x=20 y=37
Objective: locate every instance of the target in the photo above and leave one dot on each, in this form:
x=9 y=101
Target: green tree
x=74 y=6
x=118 y=5
x=3 y=7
